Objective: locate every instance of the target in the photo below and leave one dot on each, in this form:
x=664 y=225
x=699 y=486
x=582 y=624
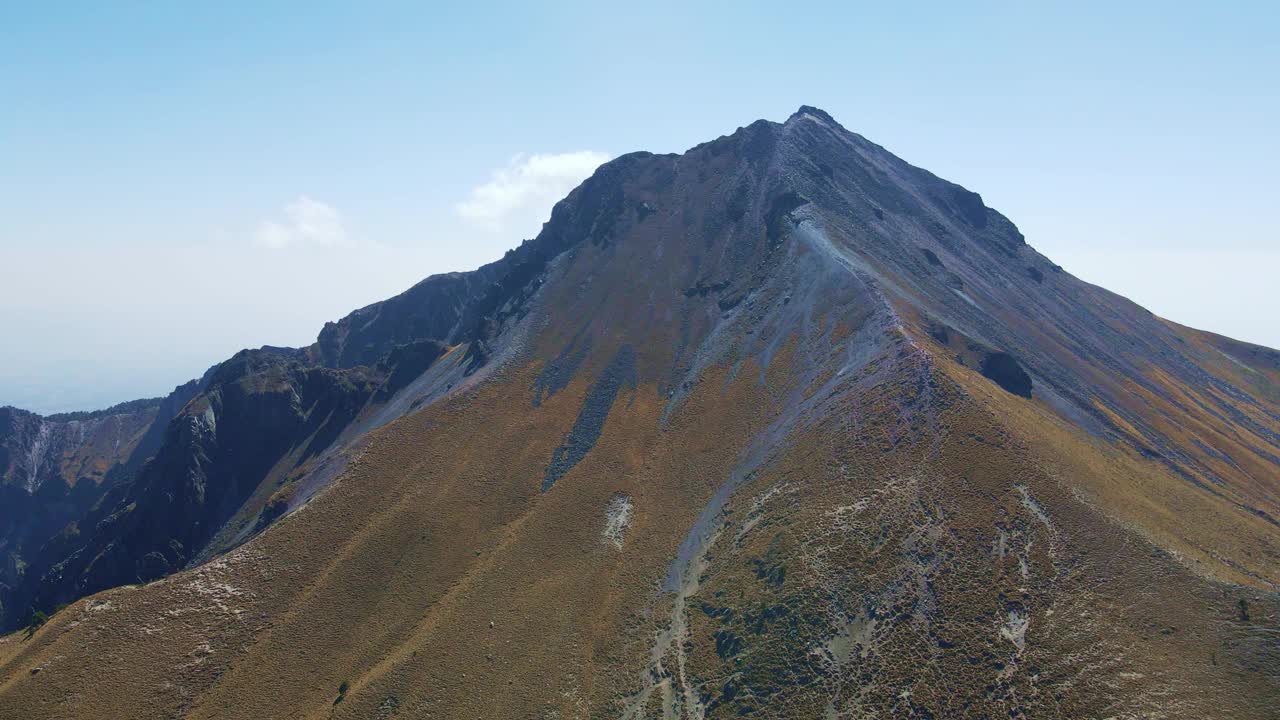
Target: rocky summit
x=779 y=427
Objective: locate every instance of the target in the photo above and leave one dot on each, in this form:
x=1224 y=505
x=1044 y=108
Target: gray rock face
x=620 y=373
x=54 y=469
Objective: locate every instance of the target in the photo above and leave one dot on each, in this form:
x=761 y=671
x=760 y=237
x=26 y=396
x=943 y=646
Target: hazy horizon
x=179 y=184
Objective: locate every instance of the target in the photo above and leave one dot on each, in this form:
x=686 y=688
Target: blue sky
x=181 y=180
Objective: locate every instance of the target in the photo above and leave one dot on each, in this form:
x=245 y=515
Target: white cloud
x=307 y=222
x=521 y=194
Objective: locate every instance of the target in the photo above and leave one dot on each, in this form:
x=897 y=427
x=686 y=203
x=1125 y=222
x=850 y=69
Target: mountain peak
x=812 y=113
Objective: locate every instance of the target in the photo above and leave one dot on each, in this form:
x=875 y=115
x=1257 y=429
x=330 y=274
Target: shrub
x=38 y=618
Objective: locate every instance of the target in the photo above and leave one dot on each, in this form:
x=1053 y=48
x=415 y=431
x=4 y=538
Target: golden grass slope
x=436 y=531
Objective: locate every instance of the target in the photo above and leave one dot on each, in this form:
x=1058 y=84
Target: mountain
x=781 y=426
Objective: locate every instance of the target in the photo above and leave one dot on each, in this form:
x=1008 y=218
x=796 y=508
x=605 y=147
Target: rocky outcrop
x=54 y=468
x=258 y=407
x=430 y=310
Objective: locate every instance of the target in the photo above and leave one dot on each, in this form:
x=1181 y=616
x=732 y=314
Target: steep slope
x=55 y=469
x=229 y=460
x=779 y=427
